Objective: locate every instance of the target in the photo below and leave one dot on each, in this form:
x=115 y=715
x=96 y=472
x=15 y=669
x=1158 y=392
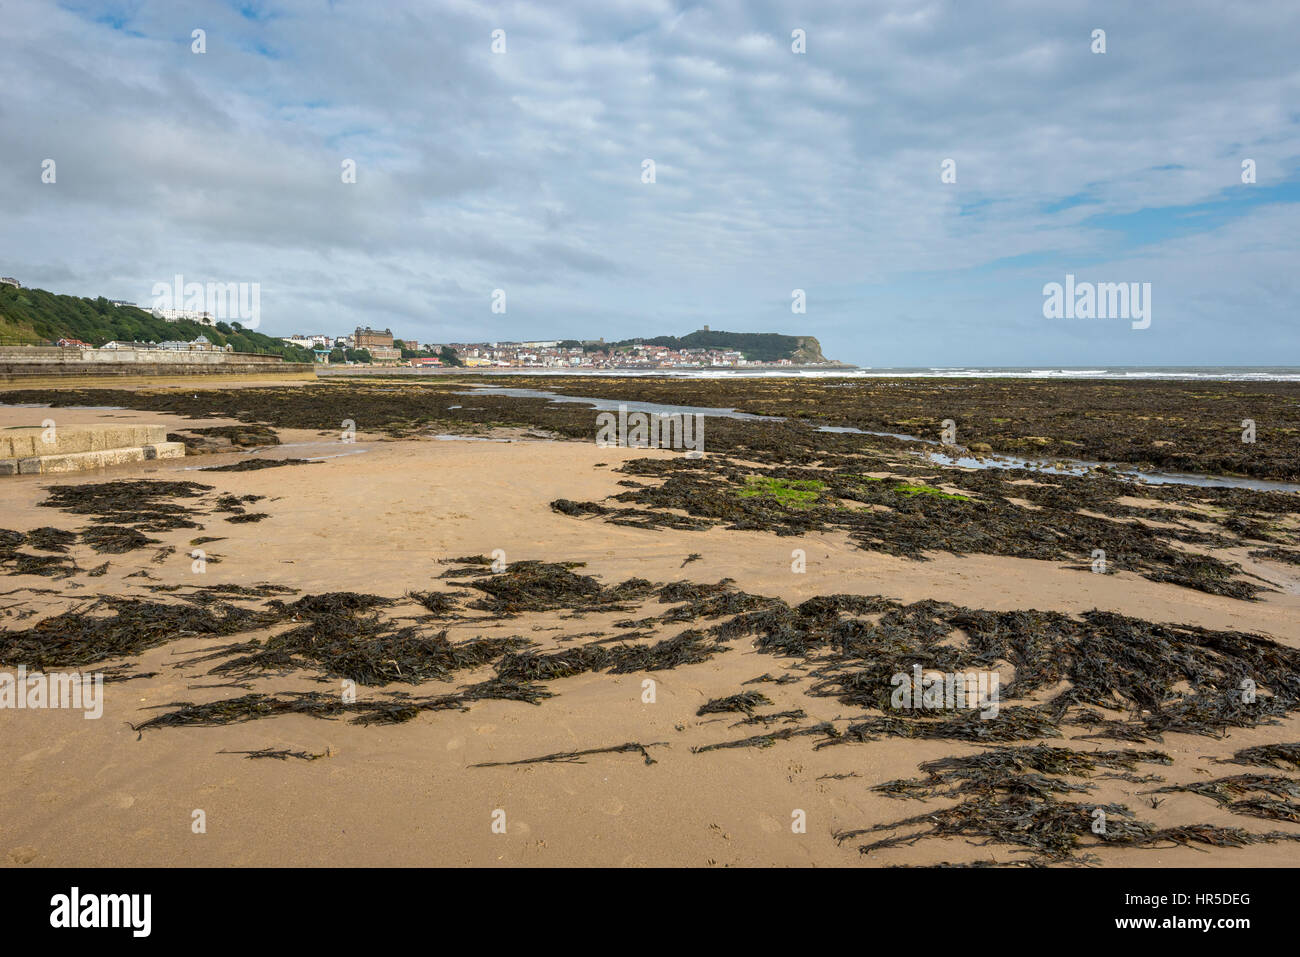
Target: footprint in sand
x=455 y=744
x=122 y=801
x=485 y=729
x=22 y=855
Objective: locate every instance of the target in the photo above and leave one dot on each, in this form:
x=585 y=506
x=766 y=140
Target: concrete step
x=35 y=451
x=25 y=443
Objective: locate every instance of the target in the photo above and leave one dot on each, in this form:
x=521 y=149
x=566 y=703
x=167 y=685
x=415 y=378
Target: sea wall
x=22 y=364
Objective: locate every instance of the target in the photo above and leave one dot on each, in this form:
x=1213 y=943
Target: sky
x=519 y=164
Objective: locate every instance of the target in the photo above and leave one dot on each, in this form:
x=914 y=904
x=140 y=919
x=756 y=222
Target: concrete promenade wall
x=21 y=364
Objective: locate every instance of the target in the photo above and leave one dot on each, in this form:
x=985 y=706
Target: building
x=115 y=344
x=201 y=344
x=11 y=281
x=122 y=302
x=174 y=315
x=383 y=353
x=310 y=342
x=367 y=337
x=74 y=344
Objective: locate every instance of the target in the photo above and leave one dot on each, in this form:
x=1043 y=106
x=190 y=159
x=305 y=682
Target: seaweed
x=772 y=717
x=396 y=709
x=50 y=539
x=912 y=518
x=746 y=702
x=1022 y=770
x=280 y=755
x=1283 y=756
x=1231 y=793
x=339 y=638
x=141 y=504
x=438 y=603
x=85 y=636
x=566 y=507
x=254 y=465
x=115 y=539
x=575 y=757
x=49 y=566
x=544 y=586
x=770 y=738
x=1041 y=824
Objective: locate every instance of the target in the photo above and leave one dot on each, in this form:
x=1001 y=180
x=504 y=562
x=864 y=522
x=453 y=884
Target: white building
x=310 y=342
x=173 y=315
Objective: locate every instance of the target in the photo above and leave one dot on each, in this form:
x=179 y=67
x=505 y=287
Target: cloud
x=774 y=170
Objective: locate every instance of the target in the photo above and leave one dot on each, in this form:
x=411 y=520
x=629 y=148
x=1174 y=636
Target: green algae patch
x=792 y=493
x=914 y=490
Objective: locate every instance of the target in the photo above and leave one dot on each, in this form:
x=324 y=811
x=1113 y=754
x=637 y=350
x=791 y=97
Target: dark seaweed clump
x=145 y=505
x=544 y=586
x=438 y=603
x=118 y=627
x=1008 y=796
x=914 y=516
x=115 y=539
x=342 y=636
x=1284 y=756
x=1051 y=828
x=746 y=702
x=1027 y=769
x=394 y=709
x=253 y=465
x=50 y=539
x=1258 y=795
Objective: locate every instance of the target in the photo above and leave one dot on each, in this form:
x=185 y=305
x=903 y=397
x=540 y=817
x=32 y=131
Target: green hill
x=757 y=346
x=33 y=316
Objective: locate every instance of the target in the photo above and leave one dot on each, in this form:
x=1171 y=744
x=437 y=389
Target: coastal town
x=33 y=317
x=380 y=347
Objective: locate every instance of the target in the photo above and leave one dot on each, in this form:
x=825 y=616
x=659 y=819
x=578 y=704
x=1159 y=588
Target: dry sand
x=379 y=519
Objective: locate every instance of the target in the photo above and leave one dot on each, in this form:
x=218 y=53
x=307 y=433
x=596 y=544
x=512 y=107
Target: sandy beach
x=387 y=516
